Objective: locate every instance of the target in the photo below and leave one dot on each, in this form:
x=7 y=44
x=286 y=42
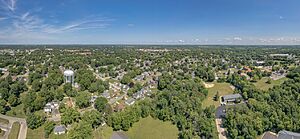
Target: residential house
x=130 y=101
x=230 y=98
x=58 y=130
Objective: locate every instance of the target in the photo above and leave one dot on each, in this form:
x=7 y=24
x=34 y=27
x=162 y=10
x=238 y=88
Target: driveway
x=23 y=127
x=220 y=112
x=220 y=129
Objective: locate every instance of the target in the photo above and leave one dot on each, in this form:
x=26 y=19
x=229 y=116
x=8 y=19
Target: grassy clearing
x=100 y=133
x=36 y=134
x=149 y=128
x=17 y=111
x=14 y=133
x=53 y=136
x=103 y=133
x=261 y=84
x=223 y=88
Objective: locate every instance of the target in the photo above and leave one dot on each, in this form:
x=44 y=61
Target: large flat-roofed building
x=230 y=98
x=280 y=55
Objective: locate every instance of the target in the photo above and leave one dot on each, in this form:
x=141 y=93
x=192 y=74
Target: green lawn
x=149 y=128
x=223 y=88
x=39 y=134
x=17 y=111
x=36 y=134
x=14 y=133
x=261 y=84
x=53 y=136
x=103 y=133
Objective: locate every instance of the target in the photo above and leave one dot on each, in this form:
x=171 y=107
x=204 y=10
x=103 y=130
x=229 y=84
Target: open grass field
x=261 y=84
x=17 y=111
x=35 y=134
x=223 y=88
x=149 y=128
x=103 y=133
x=14 y=131
x=53 y=136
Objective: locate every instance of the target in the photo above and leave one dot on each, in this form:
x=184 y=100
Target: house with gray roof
x=283 y=134
x=230 y=98
x=58 y=130
x=288 y=135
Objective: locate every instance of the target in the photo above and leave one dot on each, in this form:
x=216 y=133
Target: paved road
x=23 y=127
x=6 y=128
x=220 y=129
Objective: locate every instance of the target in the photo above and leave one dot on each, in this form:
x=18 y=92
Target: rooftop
x=288 y=135
x=232 y=96
x=68 y=72
x=60 y=128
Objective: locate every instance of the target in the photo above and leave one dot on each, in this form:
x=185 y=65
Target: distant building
x=69 y=77
x=3 y=70
x=281 y=135
x=93 y=99
x=288 y=135
x=230 y=98
x=119 y=107
x=130 y=101
x=47 y=109
x=269 y=135
x=106 y=94
x=51 y=106
x=280 y=55
x=58 y=130
x=259 y=63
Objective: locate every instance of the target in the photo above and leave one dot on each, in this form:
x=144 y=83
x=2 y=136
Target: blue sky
x=150 y=21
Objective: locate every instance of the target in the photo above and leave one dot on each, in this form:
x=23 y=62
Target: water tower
x=69 y=76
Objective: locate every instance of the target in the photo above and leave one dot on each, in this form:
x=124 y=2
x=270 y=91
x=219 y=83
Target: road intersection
x=23 y=127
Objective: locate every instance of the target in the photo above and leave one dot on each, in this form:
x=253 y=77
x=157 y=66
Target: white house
x=130 y=101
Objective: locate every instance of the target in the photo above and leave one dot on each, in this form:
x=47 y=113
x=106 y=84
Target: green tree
x=36 y=85
x=100 y=104
x=81 y=130
x=216 y=98
x=67 y=87
x=13 y=100
x=93 y=118
x=70 y=116
x=34 y=121
x=269 y=81
x=126 y=79
x=4 y=92
x=2 y=106
x=48 y=128
x=83 y=100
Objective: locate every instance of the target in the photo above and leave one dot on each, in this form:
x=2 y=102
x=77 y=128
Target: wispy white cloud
x=9 y=5
x=79 y=25
x=28 y=25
